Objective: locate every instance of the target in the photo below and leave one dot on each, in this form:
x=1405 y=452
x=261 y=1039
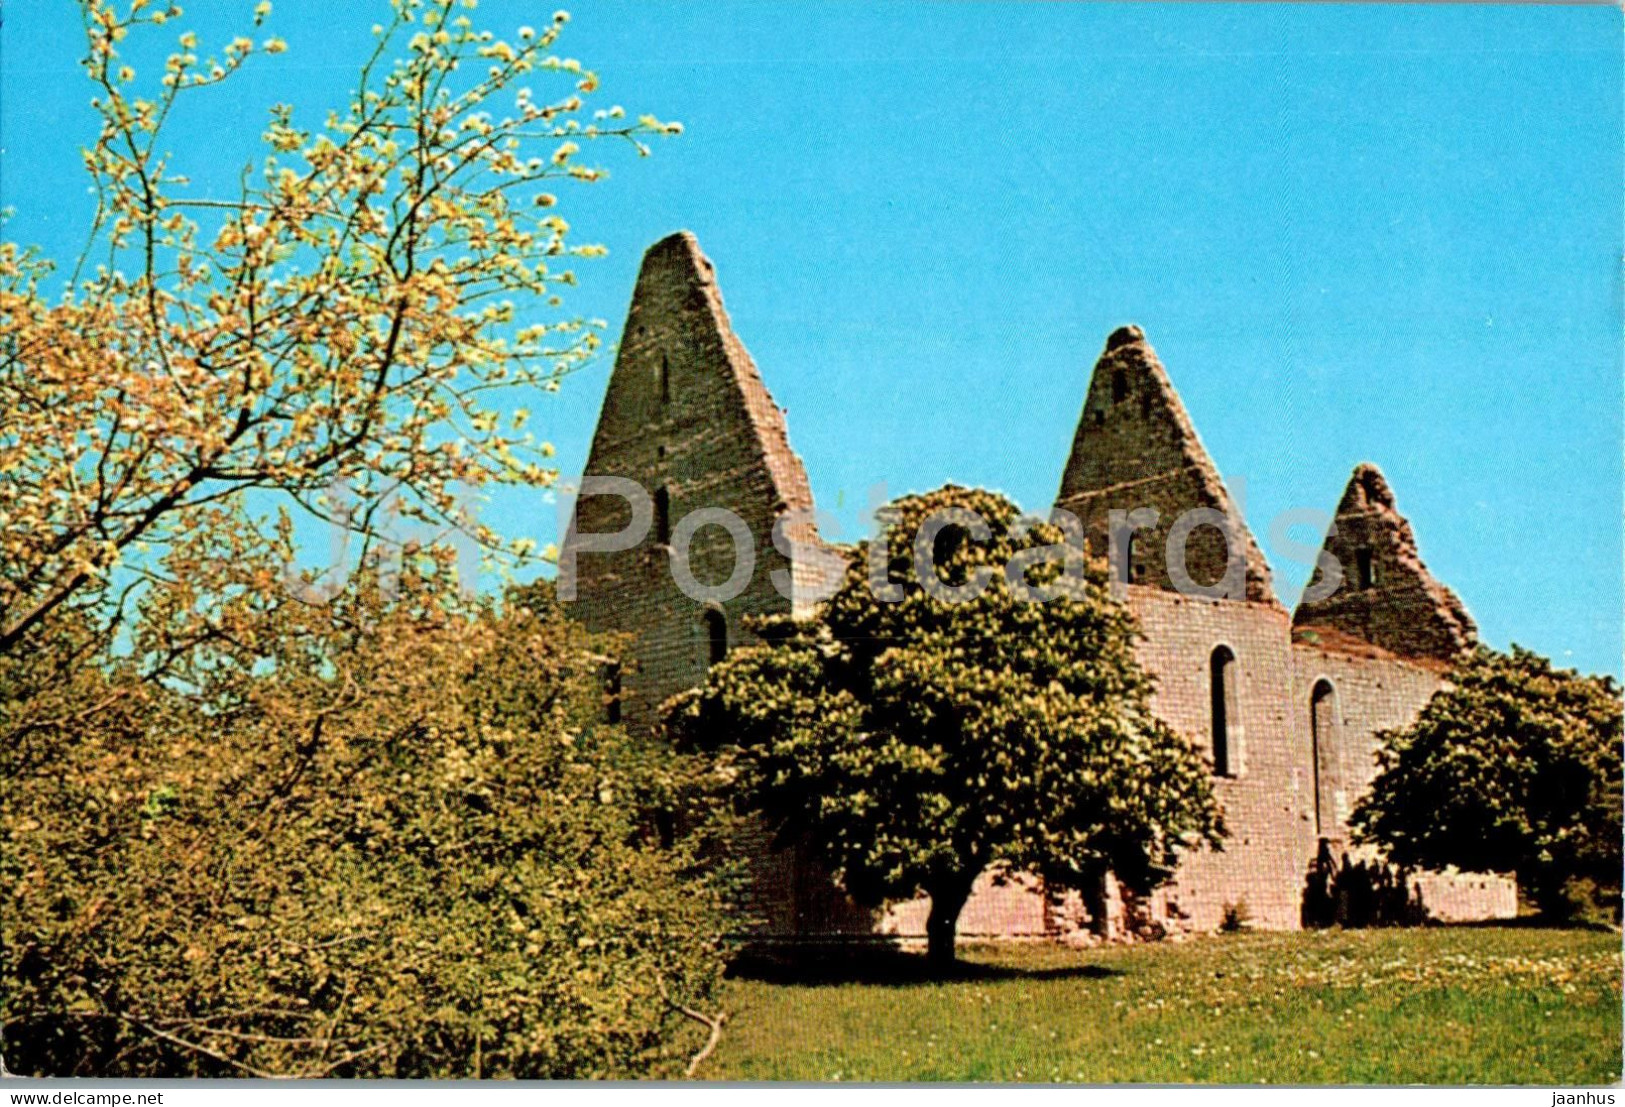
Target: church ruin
x=1286 y=705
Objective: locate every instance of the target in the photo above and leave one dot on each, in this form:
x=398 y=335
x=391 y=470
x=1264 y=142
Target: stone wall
x=1267 y=798
x=1001 y=905
x=687 y=417
x=1266 y=801
x=1468 y=897
x=1372 y=652
x=1136 y=448
x=790 y=895
x=1371 y=694
x=1368 y=695
x=1270 y=802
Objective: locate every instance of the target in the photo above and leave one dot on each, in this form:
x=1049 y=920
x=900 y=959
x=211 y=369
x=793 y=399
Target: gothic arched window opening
x=1323 y=748
x=662 y=516
x=716 y=636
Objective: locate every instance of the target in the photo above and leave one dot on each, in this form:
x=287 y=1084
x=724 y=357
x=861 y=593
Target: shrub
x=394 y=842
x=1513 y=765
x=1357 y=894
x=1236 y=916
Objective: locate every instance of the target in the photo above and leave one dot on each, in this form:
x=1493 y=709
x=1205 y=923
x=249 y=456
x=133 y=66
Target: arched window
x=1362 y=566
x=716 y=636
x=665 y=380
x=662 y=516
x=612 y=692
x=1119 y=386
x=1323 y=747
x=1226 y=711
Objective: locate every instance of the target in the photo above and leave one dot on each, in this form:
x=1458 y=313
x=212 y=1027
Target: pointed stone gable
x=1387 y=598
x=679 y=363
x=1136 y=448
x=687 y=417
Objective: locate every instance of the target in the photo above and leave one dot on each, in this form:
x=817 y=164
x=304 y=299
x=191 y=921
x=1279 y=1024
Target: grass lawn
x=1463 y=1005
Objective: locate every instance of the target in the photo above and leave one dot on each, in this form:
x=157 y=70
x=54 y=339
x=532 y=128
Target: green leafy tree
x=914 y=744
x=1514 y=765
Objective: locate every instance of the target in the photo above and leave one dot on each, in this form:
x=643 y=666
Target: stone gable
x=687 y=417
x=1135 y=448
x=1387 y=599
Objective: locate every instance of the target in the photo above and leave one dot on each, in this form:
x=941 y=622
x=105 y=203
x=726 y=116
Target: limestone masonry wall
x=1265 y=796
x=1286 y=708
x=1368 y=695
x=687 y=417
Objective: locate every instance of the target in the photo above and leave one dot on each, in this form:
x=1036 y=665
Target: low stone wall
x=1468 y=897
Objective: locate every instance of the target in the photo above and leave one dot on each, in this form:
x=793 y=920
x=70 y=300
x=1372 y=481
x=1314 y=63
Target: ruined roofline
x=1329 y=640
x=1387 y=598
x=770 y=431
x=1188 y=479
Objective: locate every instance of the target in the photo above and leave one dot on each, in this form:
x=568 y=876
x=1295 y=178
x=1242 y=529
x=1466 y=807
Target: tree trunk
x=1549 y=893
x=941 y=927
x=1097 y=902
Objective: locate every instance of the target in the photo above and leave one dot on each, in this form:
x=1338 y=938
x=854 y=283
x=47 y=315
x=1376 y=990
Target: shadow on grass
x=1530 y=922
x=884 y=966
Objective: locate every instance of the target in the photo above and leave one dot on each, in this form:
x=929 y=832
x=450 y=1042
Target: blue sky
x=1387 y=233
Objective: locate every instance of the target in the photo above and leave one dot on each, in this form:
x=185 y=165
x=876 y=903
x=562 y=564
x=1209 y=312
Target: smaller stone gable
x=1388 y=604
